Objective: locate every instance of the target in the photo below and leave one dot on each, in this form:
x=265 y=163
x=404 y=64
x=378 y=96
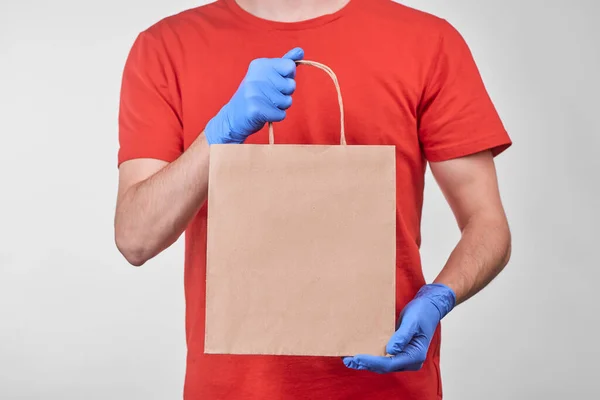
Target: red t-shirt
x=407 y=78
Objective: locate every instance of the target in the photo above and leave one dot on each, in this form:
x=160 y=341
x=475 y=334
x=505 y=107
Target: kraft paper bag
x=301 y=248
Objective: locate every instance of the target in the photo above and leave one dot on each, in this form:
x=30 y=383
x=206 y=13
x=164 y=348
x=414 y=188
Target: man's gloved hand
x=263 y=96
x=409 y=344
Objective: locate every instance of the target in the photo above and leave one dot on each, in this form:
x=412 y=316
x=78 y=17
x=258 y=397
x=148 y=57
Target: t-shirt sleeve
x=150 y=106
x=456 y=114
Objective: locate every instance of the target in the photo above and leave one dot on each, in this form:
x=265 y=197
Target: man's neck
x=291 y=10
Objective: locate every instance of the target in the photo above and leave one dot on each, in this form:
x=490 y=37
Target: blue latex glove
x=409 y=344
x=263 y=96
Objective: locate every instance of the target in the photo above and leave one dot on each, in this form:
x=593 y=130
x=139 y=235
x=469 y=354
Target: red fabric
x=407 y=79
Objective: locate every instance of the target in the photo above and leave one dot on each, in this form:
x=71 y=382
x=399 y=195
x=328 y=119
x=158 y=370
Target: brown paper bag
x=301 y=248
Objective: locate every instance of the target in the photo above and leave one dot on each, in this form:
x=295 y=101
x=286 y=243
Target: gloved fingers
x=284 y=66
x=350 y=363
x=402 y=337
x=384 y=365
x=289 y=87
x=277 y=99
x=271 y=113
x=371 y=363
x=282 y=84
x=295 y=54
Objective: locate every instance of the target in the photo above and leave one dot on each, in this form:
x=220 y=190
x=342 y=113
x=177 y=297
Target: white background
x=76 y=322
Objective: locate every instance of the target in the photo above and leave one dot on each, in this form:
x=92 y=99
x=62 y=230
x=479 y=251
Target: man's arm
x=157 y=200
x=459 y=130
x=471 y=188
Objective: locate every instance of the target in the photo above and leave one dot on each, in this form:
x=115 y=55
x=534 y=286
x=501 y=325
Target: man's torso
x=381 y=53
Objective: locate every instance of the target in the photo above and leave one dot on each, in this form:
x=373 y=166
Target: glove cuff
x=218 y=131
x=442 y=297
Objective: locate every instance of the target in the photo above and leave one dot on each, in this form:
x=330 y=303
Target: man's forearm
x=482 y=252
x=153 y=213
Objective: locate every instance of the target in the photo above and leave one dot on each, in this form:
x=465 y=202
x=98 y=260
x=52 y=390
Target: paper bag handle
x=329 y=72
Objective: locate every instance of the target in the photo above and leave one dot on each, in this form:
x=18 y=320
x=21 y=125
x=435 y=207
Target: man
x=213 y=75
